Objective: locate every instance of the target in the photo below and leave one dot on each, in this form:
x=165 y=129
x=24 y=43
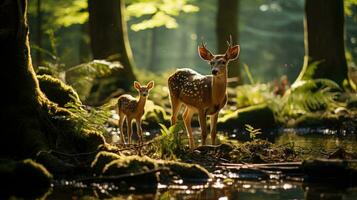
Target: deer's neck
x=219 y=85
x=141 y=103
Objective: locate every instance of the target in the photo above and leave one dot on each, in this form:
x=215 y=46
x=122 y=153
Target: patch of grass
x=169 y=143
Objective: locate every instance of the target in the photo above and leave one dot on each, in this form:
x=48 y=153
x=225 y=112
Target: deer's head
x=219 y=62
x=143 y=90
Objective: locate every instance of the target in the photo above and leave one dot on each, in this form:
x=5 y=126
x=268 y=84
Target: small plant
x=92 y=119
x=169 y=143
x=253 y=132
x=311 y=96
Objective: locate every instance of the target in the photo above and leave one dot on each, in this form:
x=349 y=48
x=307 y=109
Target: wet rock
x=258 y=116
x=325 y=169
x=131 y=165
x=189 y=173
x=102 y=158
x=26 y=179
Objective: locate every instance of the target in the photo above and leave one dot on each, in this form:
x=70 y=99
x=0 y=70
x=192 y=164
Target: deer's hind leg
x=121 y=124
x=213 y=127
x=203 y=125
x=129 y=127
x=139 y=130
x=187 y=117
x=175 y=106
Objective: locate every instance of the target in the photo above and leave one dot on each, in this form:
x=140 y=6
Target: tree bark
x=39 y=31
x=226 y=25
x=109 y=40
x=153 y=52
x=22 y=98
x=324 y=41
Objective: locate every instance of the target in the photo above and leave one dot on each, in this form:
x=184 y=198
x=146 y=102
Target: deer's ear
x=137 y=85
x=204 y=53
x=233 y=52
x=150 y=85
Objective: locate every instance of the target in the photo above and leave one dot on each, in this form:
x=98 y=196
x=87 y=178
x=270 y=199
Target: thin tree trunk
x=153 y=51
x=108 y=33
x=324 y=41
x=226 y=25
x=109 y=40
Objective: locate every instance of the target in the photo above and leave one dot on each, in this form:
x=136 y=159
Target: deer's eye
x=211 y=62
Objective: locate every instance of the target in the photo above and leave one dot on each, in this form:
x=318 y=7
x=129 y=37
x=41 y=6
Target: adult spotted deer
x=130 y=108
x=202 y=94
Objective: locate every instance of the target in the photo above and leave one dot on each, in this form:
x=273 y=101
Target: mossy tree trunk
x=22 y=101
x=226 y=25
x=39 y=31
x=109 y=38
x=324 y=41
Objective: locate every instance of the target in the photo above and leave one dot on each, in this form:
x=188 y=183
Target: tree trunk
x=226 y=25
x=109 y=40
x=29 y=120
x=39 y=32
x=153 y=52
x=22 y=99
x=324 y=41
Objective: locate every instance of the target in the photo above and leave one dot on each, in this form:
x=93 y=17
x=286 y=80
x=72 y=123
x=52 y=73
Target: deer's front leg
x=214 y=119
x=129 y=124
x=187 y=117
x=139 y=130
x=203 y=125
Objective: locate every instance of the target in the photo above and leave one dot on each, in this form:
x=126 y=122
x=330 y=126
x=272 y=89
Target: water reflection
x=229 y=184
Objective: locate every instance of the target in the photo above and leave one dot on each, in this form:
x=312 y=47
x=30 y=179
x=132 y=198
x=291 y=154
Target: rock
x=26 y=179
x=325 y=169
x=189 y=173
x=258 y=116
x=101 y=159
x=57 y=91
x=131 y=165
x=154 y=115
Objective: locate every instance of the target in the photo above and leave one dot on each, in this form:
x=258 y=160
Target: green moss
x=132 y=165
x=88 y=141
x=129 y=164
x=258 y=116
x=57 y=91
x=189 y=173
x=103 y=158
x=155 y=115
x=23 y=178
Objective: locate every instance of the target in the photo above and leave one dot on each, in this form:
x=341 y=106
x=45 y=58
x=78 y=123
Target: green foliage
x=82 y=76
x=309 y=96
x=253 y=132
x=61 y=13
x=91 y=119
x=169 y=142
x=162 y=12
x=348 y=4
x=249 y=95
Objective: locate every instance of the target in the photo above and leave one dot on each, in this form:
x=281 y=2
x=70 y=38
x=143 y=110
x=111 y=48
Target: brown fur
x=130 y=108
x=202 y=94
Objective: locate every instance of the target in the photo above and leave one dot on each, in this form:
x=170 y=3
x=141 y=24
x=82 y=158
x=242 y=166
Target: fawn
x=130 y=108
x=205 y=94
